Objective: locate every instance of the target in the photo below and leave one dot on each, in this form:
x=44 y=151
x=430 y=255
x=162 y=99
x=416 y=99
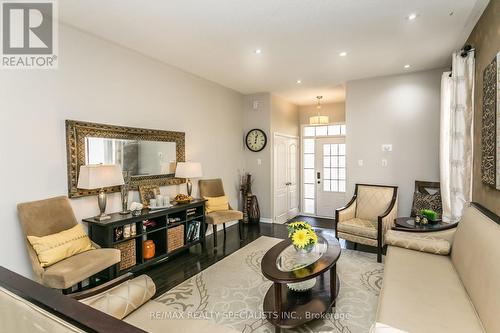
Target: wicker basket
x=127 y=250
x=175 y=238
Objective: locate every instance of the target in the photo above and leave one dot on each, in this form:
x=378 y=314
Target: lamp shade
x=188 y=170
x=98 y=176
x=318 y=120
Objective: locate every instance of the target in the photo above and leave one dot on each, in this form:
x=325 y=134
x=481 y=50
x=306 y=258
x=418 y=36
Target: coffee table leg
x=333 y=283
x=277 y=304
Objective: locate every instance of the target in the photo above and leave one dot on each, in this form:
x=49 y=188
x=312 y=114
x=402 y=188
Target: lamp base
x=189 y=186
x=102 y=217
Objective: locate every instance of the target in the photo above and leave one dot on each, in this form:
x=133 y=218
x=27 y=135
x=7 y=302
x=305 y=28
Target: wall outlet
x=360 y=163
x=387 y=147
x=384 y=162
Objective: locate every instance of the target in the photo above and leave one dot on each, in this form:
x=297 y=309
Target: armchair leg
x=224 y=227
x=379 y=254
x=214 y=231
x=240 y=231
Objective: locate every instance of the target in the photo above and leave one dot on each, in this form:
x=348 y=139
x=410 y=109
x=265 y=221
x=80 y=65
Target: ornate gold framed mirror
x=148 y=155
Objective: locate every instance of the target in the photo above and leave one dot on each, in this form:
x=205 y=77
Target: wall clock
x=256 y=140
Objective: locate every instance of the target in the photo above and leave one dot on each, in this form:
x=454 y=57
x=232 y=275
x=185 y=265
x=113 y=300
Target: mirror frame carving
x=77 y=131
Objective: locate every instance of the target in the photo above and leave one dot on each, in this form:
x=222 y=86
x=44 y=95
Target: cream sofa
x=445 y=281
x=26 y=306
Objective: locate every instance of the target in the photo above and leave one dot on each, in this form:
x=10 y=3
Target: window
x=334 y=167
x=330 y=130
x=308 y=183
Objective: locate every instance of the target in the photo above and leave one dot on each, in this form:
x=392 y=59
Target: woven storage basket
x=175 y=237
x=127 y=250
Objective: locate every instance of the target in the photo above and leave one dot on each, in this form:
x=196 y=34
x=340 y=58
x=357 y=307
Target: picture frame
x=148 y=192
x=490 y=129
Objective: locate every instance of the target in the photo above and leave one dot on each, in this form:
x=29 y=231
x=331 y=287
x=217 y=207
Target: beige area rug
x=231 y=292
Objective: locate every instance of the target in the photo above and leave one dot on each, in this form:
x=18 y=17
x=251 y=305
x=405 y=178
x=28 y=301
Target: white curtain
x=457 y=114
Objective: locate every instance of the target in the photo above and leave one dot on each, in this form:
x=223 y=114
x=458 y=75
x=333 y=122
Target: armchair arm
x=435 y=243
x=345 y=213
x=386 y=220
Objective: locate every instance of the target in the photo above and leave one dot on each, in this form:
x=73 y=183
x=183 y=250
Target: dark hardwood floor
x=174 y=271
x=314 y=221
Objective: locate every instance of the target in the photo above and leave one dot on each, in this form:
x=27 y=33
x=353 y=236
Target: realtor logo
x=29 y=31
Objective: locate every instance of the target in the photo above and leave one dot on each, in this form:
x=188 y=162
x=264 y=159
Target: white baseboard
x=266 y=220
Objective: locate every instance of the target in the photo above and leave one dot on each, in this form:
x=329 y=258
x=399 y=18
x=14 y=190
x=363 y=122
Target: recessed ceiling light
x=343 y=54
x=412 y=16
x=299 y=81
x=258 y=51
x=407 y=66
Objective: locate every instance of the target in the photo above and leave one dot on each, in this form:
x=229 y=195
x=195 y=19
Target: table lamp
x=188 y=170
x=99 y=176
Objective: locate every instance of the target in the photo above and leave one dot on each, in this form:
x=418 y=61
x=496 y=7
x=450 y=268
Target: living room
x=172 y=155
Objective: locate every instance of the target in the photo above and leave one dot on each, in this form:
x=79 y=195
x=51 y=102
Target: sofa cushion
x=125 y=298
x=475 y=255
x=372 y=201
x=215 y=204
x=359 y=227
x=72 y=270
x=59 y=246
x=224 y=216
x=418 y=241
x=422 y=293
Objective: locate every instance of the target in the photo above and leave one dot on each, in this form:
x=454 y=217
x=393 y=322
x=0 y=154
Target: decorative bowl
x=302 y=286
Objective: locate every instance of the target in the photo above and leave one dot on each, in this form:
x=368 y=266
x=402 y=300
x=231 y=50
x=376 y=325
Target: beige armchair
x=50 y=216
x=367 y=217
x=214 y=188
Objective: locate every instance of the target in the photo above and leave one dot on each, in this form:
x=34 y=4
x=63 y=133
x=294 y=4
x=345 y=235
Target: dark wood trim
x=489 y=214
x=446 y=227
x=64 y=307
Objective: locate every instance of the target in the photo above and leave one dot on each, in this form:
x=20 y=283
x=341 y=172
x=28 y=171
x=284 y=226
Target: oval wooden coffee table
x=282 y=264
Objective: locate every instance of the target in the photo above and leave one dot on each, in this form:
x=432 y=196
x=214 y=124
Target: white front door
x=286 y=196
x=330 y=177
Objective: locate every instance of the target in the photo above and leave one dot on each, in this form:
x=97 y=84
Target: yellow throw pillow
x=56 y=247
x=215 y=204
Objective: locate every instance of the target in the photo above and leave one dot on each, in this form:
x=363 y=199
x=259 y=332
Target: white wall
x=101 y=82
x=259 y=163
x=401 y=110
x=273 y=115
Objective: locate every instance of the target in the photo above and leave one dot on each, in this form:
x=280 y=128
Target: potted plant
x=302 y=236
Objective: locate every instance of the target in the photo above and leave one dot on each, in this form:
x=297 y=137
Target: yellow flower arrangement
x=302 y=235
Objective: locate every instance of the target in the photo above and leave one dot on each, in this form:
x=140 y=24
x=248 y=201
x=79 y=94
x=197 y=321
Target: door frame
x=302 y=137
x=299 y=171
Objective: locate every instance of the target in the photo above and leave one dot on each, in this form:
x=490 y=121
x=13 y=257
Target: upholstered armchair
x=367 y=217
x=50 y=216
x=214 y=188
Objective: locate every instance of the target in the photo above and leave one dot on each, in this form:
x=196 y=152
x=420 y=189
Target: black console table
x=182 y=224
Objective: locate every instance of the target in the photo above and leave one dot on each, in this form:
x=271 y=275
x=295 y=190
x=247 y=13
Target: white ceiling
x=300 y=39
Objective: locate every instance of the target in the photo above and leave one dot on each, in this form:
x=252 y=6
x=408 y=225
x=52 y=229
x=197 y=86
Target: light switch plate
x=384 y=162
x=360 y=163
x=387 y=147
x=259 y=161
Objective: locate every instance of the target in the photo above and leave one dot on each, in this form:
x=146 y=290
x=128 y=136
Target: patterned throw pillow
x=427 y=201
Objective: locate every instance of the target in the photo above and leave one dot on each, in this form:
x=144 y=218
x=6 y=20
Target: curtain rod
x=465 y=50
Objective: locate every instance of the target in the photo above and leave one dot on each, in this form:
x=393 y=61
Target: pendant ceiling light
x=318 y=119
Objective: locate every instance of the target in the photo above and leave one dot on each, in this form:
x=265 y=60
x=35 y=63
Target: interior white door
x=293 y=178
x=286 y=196
x=330 y=175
